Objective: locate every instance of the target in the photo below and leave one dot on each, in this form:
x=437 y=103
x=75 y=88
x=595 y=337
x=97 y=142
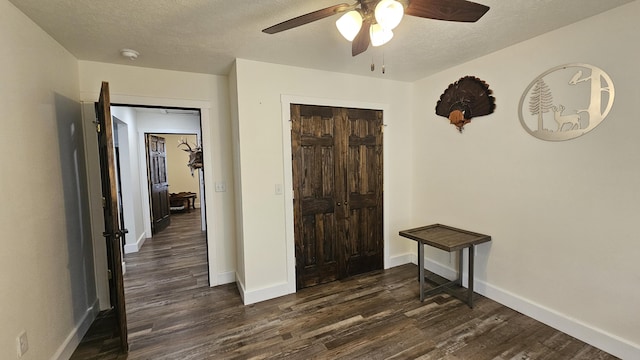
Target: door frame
x=96 y=204
x=286 y=101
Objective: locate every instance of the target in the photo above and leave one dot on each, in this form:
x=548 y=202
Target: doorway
x=135 y=123
x=158 y=181
x=337 y=185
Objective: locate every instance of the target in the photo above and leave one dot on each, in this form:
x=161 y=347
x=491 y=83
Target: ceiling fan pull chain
x=373 y=66
x=383 y=70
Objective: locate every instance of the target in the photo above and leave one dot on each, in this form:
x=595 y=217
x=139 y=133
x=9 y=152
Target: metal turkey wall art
x=465 y=99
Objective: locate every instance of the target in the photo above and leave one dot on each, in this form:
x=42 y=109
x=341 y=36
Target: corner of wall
x=72 y=340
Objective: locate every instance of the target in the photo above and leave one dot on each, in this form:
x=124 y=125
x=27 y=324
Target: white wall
x=47 y=284
x=209 y=93
x=132 y=203
x=178 y=173
x=266 y=239
x=563 y=215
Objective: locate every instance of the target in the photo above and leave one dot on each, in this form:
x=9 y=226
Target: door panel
x=364 y=173
x=158 y=184
x=113 y=233
x=314 y=192
x=337 y=179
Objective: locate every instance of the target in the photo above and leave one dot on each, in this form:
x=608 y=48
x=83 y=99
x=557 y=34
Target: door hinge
x=104 y=202
x=109 y=275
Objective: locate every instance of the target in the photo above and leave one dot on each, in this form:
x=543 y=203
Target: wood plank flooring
x=173 y=314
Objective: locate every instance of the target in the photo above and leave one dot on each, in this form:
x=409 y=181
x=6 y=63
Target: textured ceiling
x=205 y=36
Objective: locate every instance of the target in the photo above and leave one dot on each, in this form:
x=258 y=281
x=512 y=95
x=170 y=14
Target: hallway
x=163 y=280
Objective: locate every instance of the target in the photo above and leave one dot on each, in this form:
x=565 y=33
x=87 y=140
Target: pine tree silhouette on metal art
x=540 y=101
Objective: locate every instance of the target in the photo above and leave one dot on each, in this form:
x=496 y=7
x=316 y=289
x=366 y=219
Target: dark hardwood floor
x=173 y=314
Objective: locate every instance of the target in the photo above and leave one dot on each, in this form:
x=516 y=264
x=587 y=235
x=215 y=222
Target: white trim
x=241 y=287
x=591 y=335
x=400 y=260
x=120 y=99
x=272 y=292
x=286 y=101
x=599 y=338
x=208 y=208
x=132 y=248
x=225 y=278
x=72 y=341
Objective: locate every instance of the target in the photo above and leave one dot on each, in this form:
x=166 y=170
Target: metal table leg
x=421 y=268
x=460 y=267
x=470 y=279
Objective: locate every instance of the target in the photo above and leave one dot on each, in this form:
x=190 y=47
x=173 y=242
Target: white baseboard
x=591 y=335
x=400 y=260
x=596 y=337
x=132 y=248
x=240 y=286
x=272 y=292
x=70 y=344
x=225 y=278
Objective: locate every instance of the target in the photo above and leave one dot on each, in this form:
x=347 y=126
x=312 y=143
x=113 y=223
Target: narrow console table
x=449 y=239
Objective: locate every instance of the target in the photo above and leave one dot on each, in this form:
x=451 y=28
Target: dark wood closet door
x=313 y=148
x=364 y=191
x=337 y=180
x=157 y=162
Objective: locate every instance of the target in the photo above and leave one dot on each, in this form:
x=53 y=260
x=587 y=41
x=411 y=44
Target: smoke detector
x=129 y=54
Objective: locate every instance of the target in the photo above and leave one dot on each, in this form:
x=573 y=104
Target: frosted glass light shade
x=349 y=24
x=389 y=14
x=379 y=36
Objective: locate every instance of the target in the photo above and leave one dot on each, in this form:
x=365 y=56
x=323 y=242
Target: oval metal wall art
x=566 y=101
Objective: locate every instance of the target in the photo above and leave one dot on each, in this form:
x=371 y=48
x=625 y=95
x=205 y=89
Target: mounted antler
x=195 y=156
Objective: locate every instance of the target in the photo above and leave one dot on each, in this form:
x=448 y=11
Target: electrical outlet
x=23 y=343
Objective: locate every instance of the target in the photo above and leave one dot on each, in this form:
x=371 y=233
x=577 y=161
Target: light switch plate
x=221 y=186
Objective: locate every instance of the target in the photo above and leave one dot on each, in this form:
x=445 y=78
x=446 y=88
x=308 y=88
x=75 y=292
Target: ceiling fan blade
x=307 y=18
x=449 y=10
x=362 y=40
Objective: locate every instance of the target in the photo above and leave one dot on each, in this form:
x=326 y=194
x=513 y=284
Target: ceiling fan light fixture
x=389 y=13
x=379 y=36
x=349 y=24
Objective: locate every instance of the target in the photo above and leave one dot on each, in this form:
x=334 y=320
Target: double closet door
x=337 y=181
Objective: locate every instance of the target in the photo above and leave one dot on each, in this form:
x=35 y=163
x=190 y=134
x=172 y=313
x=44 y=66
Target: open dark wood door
x=113 y=232
x=337 y=185
x=158 y=183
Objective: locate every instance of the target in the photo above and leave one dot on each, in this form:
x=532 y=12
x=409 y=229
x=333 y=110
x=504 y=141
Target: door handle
x=338 y=203
x=118 y=234
x=115 y=235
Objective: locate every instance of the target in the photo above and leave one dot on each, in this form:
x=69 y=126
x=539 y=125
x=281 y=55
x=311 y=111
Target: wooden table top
x=445 y=237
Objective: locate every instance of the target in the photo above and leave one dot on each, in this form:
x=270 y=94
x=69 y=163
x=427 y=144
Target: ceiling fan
x=372 y=21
